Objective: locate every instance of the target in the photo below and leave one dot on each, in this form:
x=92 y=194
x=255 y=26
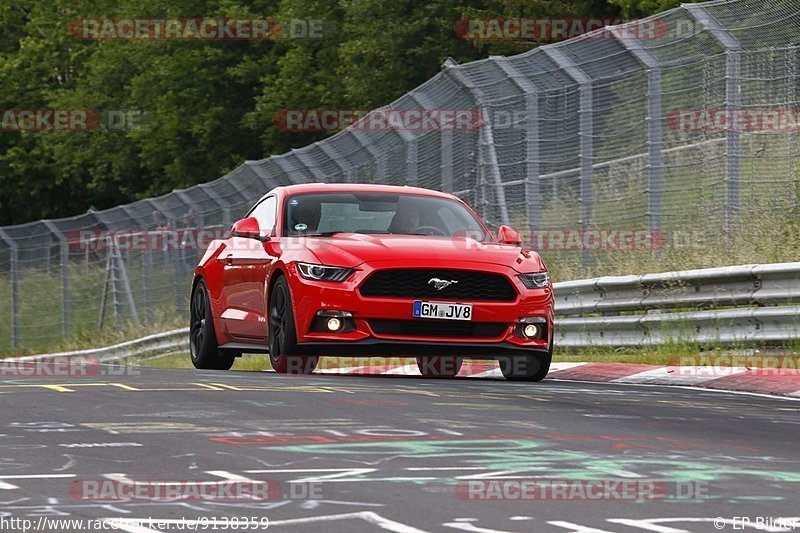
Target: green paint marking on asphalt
x=528 y=455
x=422 y=449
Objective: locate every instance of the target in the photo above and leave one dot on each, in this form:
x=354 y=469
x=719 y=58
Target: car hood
x=353 y=249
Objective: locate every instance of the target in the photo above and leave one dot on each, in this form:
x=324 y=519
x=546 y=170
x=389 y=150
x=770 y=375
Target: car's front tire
x=283 y=335
x=532 y=367
x=203 y=346
x=439 y=367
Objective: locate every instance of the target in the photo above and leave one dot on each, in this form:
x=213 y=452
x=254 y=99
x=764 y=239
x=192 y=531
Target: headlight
x=323 y=272
x=536 y=280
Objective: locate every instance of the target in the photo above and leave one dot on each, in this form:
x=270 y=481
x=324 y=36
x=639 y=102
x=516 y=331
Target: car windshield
x=326 y=214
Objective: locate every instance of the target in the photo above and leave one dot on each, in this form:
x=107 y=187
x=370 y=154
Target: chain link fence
x=623 y=139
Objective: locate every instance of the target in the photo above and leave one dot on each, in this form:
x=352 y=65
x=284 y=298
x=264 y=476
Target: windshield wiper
x=320 y=234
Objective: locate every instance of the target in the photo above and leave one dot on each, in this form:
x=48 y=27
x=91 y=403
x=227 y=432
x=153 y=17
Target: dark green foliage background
x=210 y=104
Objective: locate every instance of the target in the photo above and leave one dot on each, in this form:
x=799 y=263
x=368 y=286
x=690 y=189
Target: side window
x=265 y=214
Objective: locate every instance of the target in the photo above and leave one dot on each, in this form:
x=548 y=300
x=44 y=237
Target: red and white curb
x=781 y=381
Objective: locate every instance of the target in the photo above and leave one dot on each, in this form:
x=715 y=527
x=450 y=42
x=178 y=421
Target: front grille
x=471 y=286
x=437 y=328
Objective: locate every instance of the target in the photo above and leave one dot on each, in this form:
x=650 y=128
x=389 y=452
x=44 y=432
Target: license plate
x=442 y=310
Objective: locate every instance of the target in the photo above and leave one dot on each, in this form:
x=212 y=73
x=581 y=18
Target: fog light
x=530 y=330
x=334 y=324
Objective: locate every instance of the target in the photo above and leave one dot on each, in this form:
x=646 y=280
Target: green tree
x=209 y=105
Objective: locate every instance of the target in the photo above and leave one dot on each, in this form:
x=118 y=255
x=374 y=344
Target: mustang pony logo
x=440 y=284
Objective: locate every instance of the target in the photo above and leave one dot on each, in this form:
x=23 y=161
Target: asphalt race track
x=395 y=453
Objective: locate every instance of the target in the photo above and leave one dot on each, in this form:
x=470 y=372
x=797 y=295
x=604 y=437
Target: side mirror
x=247 y=228
x=507 y=235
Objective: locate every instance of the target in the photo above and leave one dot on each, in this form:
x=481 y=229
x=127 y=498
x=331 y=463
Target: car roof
x=305 y=188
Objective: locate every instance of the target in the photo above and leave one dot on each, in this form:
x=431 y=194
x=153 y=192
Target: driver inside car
x=405 y=220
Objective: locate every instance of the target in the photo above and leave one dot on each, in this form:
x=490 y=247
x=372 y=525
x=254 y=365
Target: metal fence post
x=412 y=160
x=490 y=161
x=654 y=132
x=733 y=102
x=336 y=157
x=225 y=208
x=183 y=197
x=585 y=133
x=447 y=160
x=181 y=287
x=486 y=136
x=14 y=259
x=64 y=264
x=533 y=194
x=147 y=292
x=377 y=157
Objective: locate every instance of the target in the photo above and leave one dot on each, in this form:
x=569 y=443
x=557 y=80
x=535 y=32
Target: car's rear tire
x=203 y=346
x=439 y=367
x=533 y=367
x=283 y=335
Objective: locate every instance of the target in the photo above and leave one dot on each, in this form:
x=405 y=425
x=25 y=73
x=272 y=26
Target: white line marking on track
x=577 y=528
x=684 y=375
x=345 y=370
x=229 y=476
x=687 y=387
x=131 y=527
x=123 y=478
x=10 y=486
x=339 y=475
x=493 y=373
x=467 y=526
x=134 y=525
x=405 y=370
x=558 y=367
x=367 y=516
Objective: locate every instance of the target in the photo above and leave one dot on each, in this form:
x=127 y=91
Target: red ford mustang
x=371 y=270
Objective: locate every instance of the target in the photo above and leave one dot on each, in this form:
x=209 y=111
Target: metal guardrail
x=151 y=344
x=738 y=304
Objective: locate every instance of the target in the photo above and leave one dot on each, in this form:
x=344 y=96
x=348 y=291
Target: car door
x=246 y=264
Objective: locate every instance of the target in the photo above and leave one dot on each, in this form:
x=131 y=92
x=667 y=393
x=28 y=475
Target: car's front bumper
x=372 y=347
x=310 y=297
